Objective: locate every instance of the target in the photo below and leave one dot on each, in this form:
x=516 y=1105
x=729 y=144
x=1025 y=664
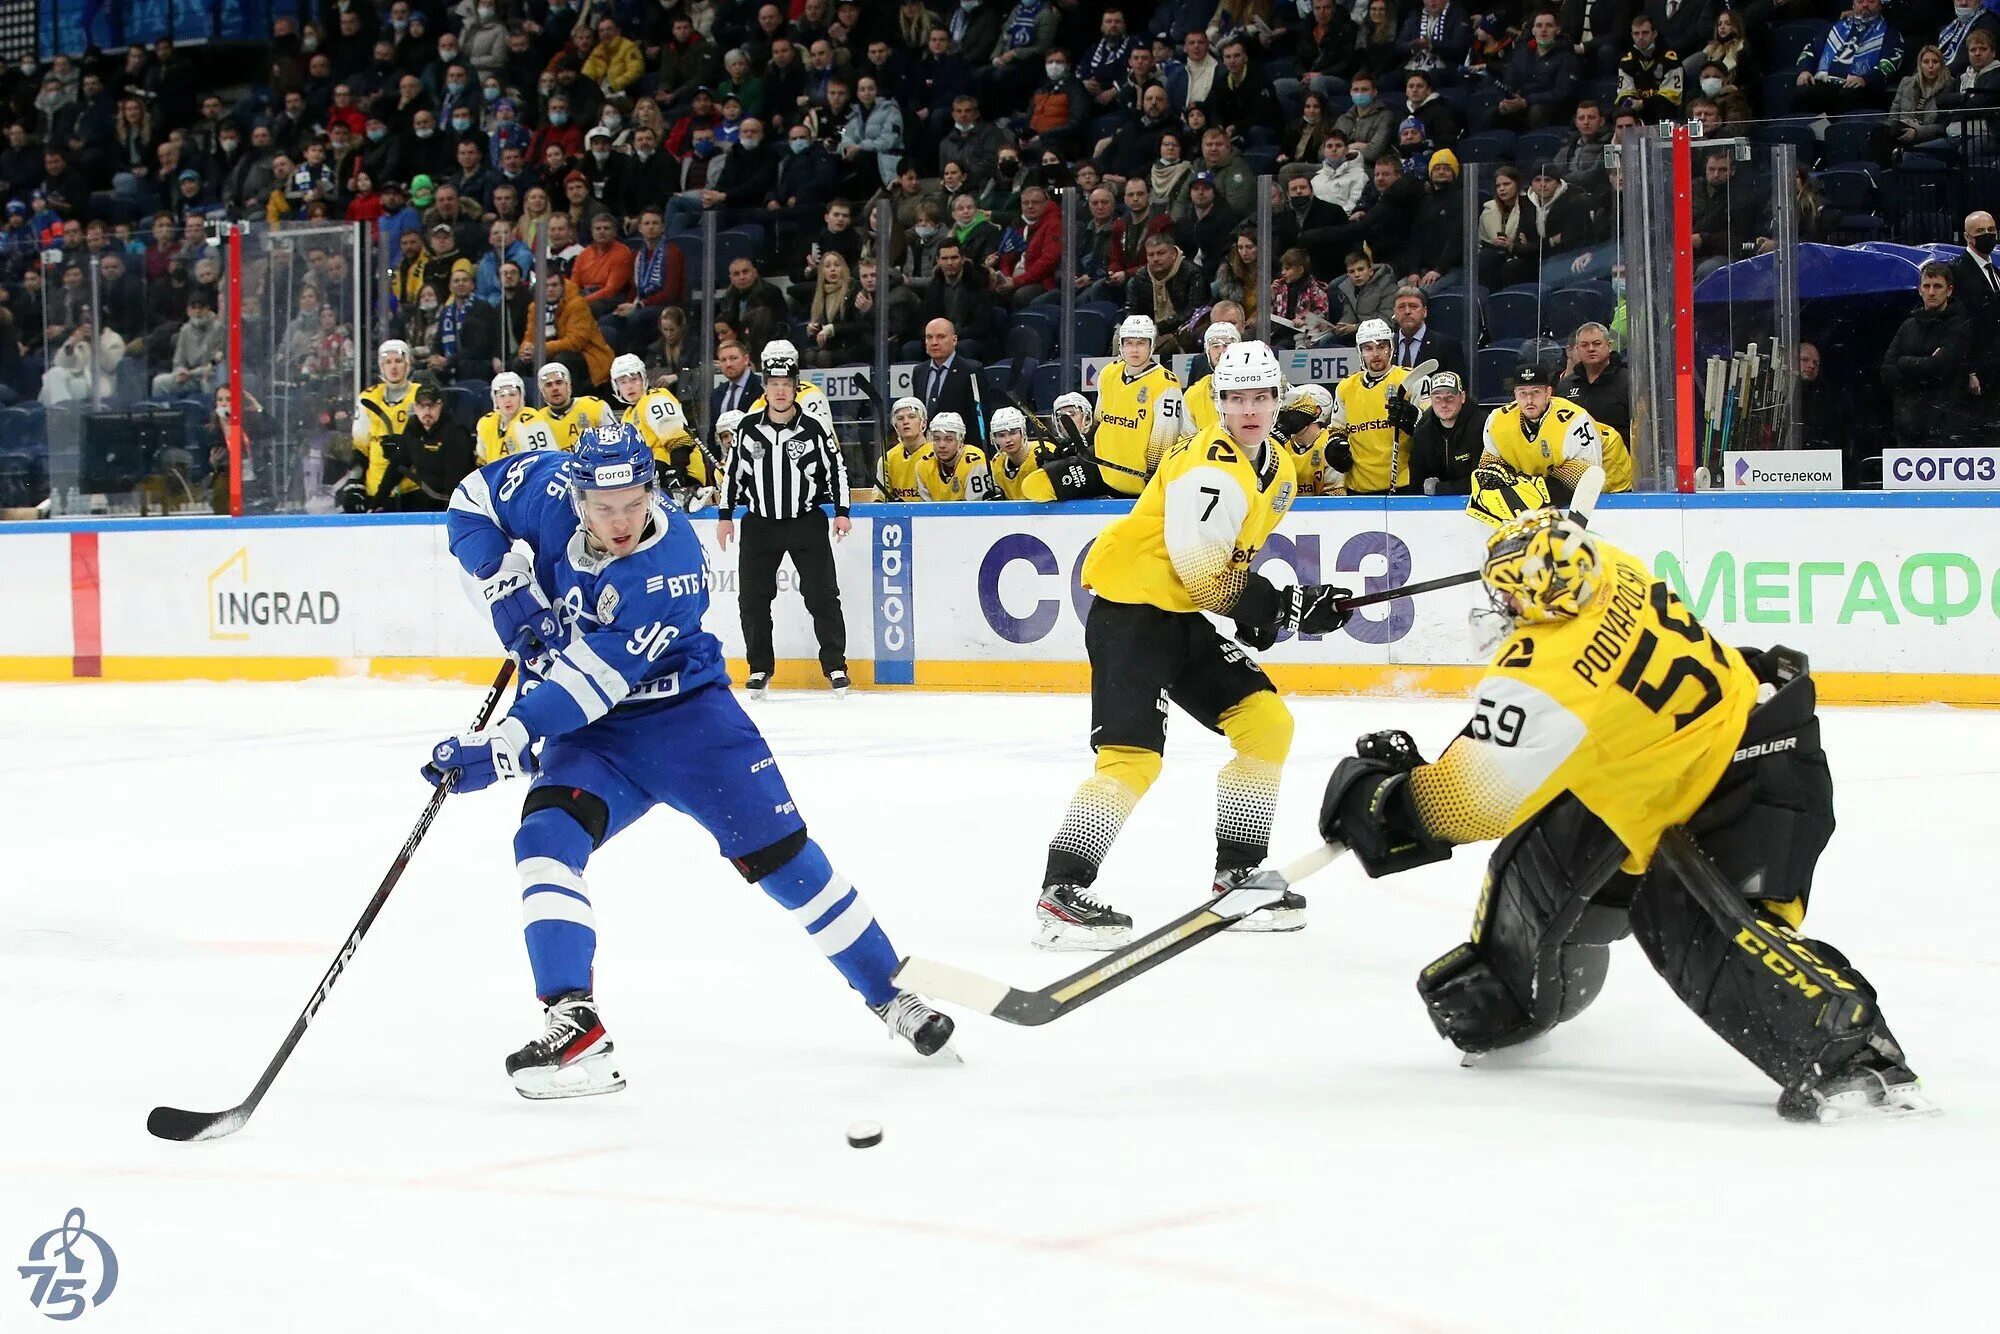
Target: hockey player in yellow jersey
x=1302 y=425
x=657 y=415
x=1373 y=418
x=381 y=413
x=1184 y=553
x=1215 y=340
x=951 y=469
x=896 y=471
x=812 y=399
x=1539 y=435
x=1017 y=461
x=564 y=415
x=1642 y=778
x=495 y=437
x=1139 y=410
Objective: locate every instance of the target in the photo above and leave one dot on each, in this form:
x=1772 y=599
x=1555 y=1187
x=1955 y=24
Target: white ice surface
x=1265 y=1134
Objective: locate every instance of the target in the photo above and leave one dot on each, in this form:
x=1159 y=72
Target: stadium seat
x=1093 y=335
x=1048 y=383
x=1513 y=314
x=1490 y=369
x=731 y=245
x=1850 y=190
x=1574 y=306
x=1798 y=133
x=1448 y=312
x=1041 y=323
x=1486 y=146
x=690 y=248
x=1538 y=146
x=1779 y=89
x=1852 y=139
x=1789 y=41
x=1262 y=161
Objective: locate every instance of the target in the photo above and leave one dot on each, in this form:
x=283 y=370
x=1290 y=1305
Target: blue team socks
x=550 y=851
x=838 y=919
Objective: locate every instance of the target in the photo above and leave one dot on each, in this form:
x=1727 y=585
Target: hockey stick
x=1423 y=370
x=174 y=1123
x=1055 y=439
x=959 y=986
x=1582 y=505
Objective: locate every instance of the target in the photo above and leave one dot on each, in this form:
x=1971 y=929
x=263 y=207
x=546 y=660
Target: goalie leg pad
x=1540 y=948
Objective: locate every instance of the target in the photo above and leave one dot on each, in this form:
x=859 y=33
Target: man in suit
x=1685 y=25
x=1415 y=341
x=741 y=386
x=1976 y=285
x=948 y=382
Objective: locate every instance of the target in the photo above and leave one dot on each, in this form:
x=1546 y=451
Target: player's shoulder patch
x=607 y=604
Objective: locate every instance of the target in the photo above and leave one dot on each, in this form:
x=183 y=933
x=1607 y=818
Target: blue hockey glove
x=481 y=759
x=522 y=617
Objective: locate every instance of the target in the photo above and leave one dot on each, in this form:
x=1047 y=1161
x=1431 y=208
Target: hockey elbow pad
x=1369 y=809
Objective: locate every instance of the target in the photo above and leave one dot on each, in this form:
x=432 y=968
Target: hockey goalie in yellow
x=1184 y=550
x=1644 y=778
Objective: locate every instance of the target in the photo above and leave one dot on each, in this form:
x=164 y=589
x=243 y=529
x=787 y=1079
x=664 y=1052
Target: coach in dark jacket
x=1975 y=286
x=1599 y=381
x=1448 y=440
x=1927 y=364
x=434 y=449
x=947 y=380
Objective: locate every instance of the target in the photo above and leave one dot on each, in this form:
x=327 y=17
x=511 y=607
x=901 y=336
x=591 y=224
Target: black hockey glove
x=1262 y=610
x=351 y=496
x=1369 y=809
x=1402 y=412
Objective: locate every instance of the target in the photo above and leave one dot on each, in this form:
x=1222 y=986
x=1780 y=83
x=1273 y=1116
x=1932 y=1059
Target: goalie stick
x=959 y=986
x=177 y=1124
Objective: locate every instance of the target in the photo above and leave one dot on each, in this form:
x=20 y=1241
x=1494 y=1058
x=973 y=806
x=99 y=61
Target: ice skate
x=758 y=685
x=1869 y=1087
x=1287 y=914
x=573 y=1059
x=918 y=1024
x=1072 y=920
x=840 y=684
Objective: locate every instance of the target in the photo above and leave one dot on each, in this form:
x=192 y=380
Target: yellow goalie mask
x=1500 y=494
x=1541 y=567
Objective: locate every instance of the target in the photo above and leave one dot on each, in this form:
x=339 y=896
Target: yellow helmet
x=1541 y=567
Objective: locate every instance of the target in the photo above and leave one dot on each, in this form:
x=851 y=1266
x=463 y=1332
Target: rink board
x=1895 y=597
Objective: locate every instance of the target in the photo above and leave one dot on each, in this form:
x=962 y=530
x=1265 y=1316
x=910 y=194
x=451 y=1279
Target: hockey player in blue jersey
x=627 y=701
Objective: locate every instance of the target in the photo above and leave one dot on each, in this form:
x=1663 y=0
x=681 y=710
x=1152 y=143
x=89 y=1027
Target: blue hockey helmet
x=609 y=458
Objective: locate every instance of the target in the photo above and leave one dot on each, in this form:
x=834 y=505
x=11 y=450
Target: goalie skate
x=1869 y=1092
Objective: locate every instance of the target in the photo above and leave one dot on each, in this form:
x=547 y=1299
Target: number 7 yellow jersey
x=1188 y=543
x=1632 y=706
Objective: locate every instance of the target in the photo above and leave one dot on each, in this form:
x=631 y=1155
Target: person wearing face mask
x=559 y=129
x=1540 y=80
x=603 y=168
x=974 y=143
x=743 y=182
x=1341 y=178
x=483 y=38
x=455 y=90
x=1967 y=17
x=1975 y=284
x=1014 y=63
x=198 y=349
x=1370 y=127
x=1057 y=112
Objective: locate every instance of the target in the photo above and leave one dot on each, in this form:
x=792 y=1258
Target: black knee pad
x=586 y=808
x=756 y=865
x=1540 y=949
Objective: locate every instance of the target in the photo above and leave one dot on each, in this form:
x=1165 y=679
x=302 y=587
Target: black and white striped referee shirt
x=783 y=472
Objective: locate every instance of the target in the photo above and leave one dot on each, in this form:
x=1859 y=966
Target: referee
x=785 y=465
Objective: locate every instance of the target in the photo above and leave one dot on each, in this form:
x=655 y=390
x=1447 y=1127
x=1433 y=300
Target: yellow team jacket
x=1023 y=481
x=491 y=442
x=1632 y=707
x=1137 y=419
x=1187 y=545
x=1316 y=476
x=1200 y=399
x=663 y=426
x=1617 y=459
x=1561 y=445
x=968 y=481
x=1361 y=412
x=551 y=429
x=897 y=471
x=377 y=417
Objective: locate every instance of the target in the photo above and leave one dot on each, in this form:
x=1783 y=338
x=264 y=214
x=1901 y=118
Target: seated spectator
x=1561 y=217
x=466 y=345
x=1729 y=222
x=974 y=144
x=1304 y=136
x=1650 y=76
x=1169 y=290
x=1437 y=244
x=1368 y=292
x=1241 y=100
x=1370 y=126
x=1597 y=379
x=1978 y=87
x=1538 y=85
x=199 y=348
x=1732 y=105
x=1440 y=120
x=1327 y=52
x=1342 y=176
x=743 y=182
x=977 y=235
x=1025 y=277
x=1853 y=68
x=1928 y=364
x=1581 y=159
x=1236 y=277
x=958 y=293
x=603 y=271
x=1303 y=212
x=1170 y=174
x=871 y=143
x=1725 y=47
x=1301 y=299
x=1914 y=116
x=1058 y=111
x=1433 y=40
x=1968 y=17
x=751 y=304
x=1509 y=244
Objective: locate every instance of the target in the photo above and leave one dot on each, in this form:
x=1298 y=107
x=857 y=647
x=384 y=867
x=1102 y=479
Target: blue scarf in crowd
x=1020 y=28
x=449 y=319
x=649 y=271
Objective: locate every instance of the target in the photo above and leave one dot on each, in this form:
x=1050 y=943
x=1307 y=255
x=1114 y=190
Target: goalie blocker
x=1647 y=754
